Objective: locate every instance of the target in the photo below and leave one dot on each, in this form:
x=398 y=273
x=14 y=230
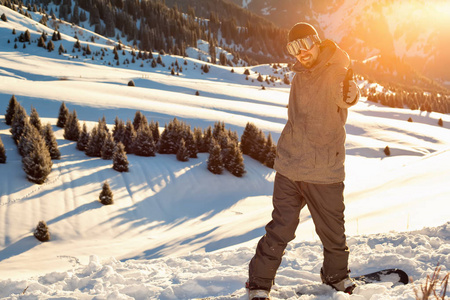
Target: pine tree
x=61 y=50
x=18 y=122
x=183 y=153
x=226 y=146
x=72 y=127
x=207 y=140
x=118 y=130
x=215 y=164
x=139 y=120
x=34 y=119
x=270 y=152
x=163 y=143
x=106 y=195
x=108 y=147
x=41 y=232
x=95 y=142
x=190 y=144
x=120 y=160
x=198 y=138
x=25 y=143
x=83 y=140
x=252 y=141
x=63 y=116
x=37 y=164
x=50 y=141
x=12 y=106
x=154 y=127
x=236 y=165
x=129 y=137
x=2 y=152
x=144 y=144
x=50 y=46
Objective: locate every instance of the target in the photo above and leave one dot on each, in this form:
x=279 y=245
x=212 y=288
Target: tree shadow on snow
x=21 y=246
x=77 y=211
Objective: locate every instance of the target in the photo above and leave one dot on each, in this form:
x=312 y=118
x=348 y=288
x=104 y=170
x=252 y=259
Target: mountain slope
x=415 y=31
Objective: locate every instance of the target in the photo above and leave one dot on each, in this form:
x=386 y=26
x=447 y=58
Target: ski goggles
x=294 y=47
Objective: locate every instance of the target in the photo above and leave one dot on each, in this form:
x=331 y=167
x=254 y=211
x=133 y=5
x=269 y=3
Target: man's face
x=308 y=58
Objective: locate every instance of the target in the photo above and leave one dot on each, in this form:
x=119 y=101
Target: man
x=310 y=162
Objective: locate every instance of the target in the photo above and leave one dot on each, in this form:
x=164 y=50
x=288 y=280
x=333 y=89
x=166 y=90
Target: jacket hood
x=330 y=53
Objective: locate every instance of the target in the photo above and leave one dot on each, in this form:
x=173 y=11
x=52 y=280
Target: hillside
x=175 y=230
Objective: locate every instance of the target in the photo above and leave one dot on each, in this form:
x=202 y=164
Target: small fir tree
x=215 y=164
x=139 y=120
x=34 y=119
x=12 y=106
x=118 y=130
x=144 y=144
x=191 y=146
x=387 y=151
x=236 y=164
x=83 y=140
x=183 y=153
x=50 y=141
x=154 y=127
x=120 y=160
x=72 y=127
x=163 y=143
x=2 y=152
x=37 y=164
x=106 y=195
x=63 y=116
x=207 y=140
x=18 y=123
x=61 y=49
x=108 y=147
x=129 y=137
x=95 y=143
x=25 y=143
x=41 y=232
x=271 y=152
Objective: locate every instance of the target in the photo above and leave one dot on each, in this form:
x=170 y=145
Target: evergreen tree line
x=99 y=142
x=142 y=138
x=36 y=143
x=394 y=97
x=255 y=144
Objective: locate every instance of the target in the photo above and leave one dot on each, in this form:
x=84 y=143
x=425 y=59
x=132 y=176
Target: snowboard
x=395 y=276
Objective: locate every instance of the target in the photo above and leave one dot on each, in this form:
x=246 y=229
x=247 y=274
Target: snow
x=175 y=230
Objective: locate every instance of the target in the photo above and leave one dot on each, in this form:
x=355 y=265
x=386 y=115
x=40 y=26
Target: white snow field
x=175 y=230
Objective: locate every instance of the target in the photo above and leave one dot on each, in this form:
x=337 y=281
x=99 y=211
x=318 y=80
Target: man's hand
x=349 y=89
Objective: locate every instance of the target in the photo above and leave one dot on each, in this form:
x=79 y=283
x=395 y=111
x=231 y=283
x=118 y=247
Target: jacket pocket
x=325 y=156
x=285 y=142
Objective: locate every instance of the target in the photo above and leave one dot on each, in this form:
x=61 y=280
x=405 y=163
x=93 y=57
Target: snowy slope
x=176 y=231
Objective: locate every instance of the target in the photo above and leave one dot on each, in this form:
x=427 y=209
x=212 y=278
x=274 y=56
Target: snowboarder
x=310 y=162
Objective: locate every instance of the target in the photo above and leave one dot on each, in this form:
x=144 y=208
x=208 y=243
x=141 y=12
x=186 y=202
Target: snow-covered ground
x=176 y=231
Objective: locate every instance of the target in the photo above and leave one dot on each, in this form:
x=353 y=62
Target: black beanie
x=301 y=30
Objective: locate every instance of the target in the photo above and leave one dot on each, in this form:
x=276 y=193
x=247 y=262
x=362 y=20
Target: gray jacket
x=311 y=147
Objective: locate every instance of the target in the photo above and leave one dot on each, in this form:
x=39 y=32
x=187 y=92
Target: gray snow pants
x=326 y=204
